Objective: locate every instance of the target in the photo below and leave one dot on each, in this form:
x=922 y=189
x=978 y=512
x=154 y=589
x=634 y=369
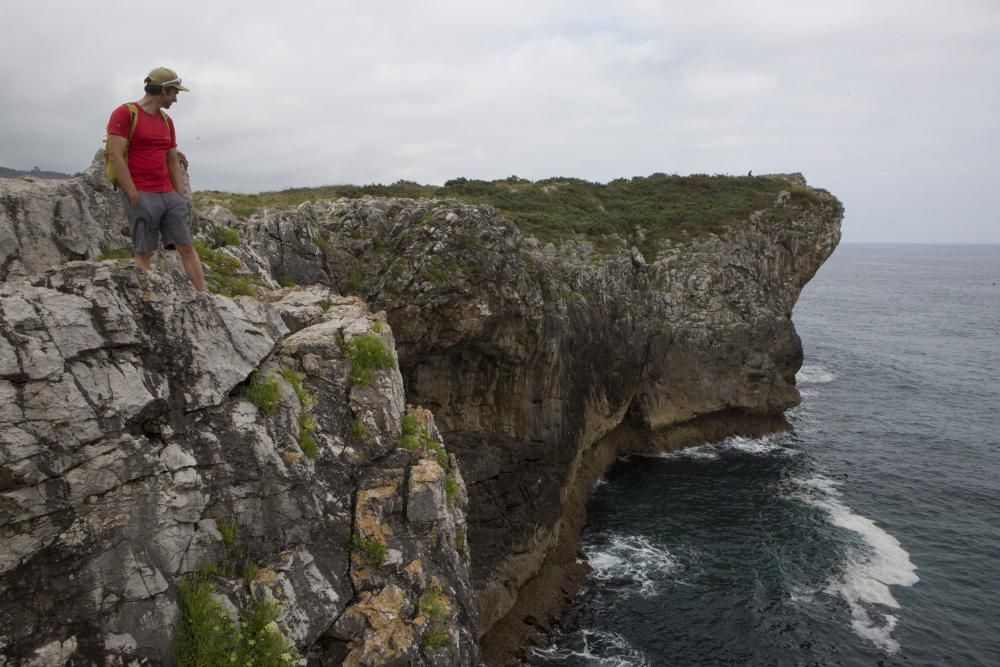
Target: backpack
x=109 y=169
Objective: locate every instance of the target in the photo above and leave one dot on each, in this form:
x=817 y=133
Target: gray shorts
x=158 y=214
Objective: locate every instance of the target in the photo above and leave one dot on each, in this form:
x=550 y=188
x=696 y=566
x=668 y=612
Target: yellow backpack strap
x=135 y=121
x=166 y=118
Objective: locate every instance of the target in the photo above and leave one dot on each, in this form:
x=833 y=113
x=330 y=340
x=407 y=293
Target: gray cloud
x=892 y=105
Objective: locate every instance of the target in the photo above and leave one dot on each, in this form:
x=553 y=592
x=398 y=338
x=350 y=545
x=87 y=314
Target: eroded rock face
x=130 y=459
x=531 y=355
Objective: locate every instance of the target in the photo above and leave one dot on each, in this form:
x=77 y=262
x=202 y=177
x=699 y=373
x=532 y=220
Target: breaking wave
x=869 y=569
x=595 y=647
x=814 y=375
x=776 y=443
x=630 y=562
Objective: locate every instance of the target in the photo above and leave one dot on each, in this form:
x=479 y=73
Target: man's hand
x=133 y=196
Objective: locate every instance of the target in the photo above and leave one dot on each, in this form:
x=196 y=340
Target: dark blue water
x=869 y=535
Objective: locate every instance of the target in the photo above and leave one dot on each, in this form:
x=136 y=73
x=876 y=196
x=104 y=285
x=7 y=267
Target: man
x=150 y=175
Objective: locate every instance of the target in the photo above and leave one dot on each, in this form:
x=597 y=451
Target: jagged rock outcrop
x=540 y=363
x=135 y=456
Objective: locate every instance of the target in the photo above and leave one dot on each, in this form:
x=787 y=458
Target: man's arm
x=117 y=145
x=176 y=173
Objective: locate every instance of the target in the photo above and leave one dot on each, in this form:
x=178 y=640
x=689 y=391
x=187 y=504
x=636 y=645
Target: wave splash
x=630 y=562
x=597 y=648
x=776 y=443
x=810 y=374
x=869 y=571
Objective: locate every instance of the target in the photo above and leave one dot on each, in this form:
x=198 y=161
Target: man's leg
x=144 y=260
x=192 y=266
x=177 y=234
x=143 y=241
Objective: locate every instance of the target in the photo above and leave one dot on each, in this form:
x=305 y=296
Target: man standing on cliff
x=148 y=171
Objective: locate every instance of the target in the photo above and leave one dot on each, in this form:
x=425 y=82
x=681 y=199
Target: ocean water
x=870 y=535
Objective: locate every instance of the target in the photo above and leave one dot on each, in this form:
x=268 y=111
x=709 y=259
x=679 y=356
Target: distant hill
x=6 y=172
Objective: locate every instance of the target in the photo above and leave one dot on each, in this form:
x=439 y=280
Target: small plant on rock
x=226 y=236
x=117 y=253
x=436 y=635
x=264 y=392
x=373 y=551
x=366 y=354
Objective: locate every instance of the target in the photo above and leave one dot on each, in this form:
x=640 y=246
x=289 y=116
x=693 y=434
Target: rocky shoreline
x=533 y=366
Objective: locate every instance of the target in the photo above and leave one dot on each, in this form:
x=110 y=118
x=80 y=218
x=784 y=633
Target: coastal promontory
x=373 y=443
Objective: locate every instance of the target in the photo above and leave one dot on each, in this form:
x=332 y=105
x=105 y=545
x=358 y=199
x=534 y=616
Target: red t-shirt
x=147 y=153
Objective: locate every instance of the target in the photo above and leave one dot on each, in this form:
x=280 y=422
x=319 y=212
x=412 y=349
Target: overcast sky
x=892 y=105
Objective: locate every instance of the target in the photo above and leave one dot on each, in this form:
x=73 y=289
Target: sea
x=868 y=535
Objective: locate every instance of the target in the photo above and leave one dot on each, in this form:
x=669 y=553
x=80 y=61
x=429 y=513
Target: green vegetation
x=324 y=305
x=286 y=281
x=228 y=532
x=436 y=635
x=366 y=353
x=434 y=604
x=307 y=420
x=264 y=392
x=414 y=437
x=450 y=487
x=224 y=274
x=206 y=636
x=307 y=441
x=666 y=207
x=226 y=236
x=116 y=253
x=295 y=379
x=372 y=551
x=250 y=571
x=460 y=539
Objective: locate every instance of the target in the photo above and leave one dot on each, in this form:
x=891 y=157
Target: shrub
x=308 y=443
x=296 y=379
x=286 y=281
x=228 y=533
x=226 y=236
x=265 y=393
x=450 y=487
x=460 y=539
x=223 y=272
x=434 y=603
x=366 y=353
x=439 y=453
x=373 y=551
x=205 y=635
x=250 y=570
x=436 y=635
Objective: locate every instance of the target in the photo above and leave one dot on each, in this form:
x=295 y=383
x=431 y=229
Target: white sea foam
x=764 y=446
x=632 y=560
x=599 y=648
x=706 y=452
x=868 y=571
x=814 y=375
x=769 y=444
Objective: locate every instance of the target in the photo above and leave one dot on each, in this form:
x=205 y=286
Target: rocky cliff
x=133 y=460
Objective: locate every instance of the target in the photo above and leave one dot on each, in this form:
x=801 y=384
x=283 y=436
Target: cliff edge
x=135 y=460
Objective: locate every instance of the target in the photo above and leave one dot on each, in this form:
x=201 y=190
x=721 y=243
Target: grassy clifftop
x=642 y=210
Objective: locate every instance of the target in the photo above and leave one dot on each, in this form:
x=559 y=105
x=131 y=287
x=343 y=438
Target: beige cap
x=164 y=76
